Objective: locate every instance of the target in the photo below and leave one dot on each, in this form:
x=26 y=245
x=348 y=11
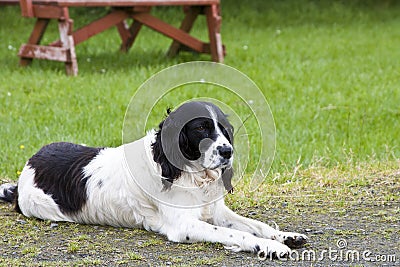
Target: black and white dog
x=171 y=182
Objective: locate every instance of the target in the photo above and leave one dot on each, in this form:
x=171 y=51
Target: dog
x=172 y=181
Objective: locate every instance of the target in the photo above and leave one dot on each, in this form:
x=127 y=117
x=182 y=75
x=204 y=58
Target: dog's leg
x=193 y=230
x=227 y=218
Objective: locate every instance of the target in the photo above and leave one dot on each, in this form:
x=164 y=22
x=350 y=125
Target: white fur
x=125 y=189
x=33 y=202
x=211 y=156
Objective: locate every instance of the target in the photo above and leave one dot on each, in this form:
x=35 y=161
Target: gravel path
x=358 y=235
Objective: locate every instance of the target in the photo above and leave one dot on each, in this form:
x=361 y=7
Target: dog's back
x=59 y=172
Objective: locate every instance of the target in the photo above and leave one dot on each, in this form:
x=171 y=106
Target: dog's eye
x=200 y=128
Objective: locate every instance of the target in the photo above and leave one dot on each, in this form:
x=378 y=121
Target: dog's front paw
x=272 y=249
x=294 y=240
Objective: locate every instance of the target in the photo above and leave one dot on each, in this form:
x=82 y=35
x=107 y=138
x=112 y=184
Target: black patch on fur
x=227 y=174
x=168 y=171
x=296 y=242
x=187 y=238
x=229 y=225
x=257 y=248
x=262 y=255
x=215 y=228
x=100 y=184
x=16 y=205
x=59 y=173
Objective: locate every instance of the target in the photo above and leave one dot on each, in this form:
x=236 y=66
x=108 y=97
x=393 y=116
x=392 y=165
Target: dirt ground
x=359 y=234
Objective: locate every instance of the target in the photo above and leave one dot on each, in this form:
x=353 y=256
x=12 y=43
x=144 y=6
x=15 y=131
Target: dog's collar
x=206 y=177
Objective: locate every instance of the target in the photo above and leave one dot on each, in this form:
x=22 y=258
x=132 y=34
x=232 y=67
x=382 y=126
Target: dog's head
x=198 y=136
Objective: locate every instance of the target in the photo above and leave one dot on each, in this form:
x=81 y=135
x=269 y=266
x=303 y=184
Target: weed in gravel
x=151 y=242
x=73 y=247
x=209 y=261
x=30 y=251
x=134 y=256
x=170 y=258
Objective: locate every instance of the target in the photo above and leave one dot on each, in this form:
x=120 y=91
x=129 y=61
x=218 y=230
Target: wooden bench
x=9 y=2
x=139 y=10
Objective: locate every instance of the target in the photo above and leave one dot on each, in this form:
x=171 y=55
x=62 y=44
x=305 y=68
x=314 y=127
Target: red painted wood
x=128 y=35
x=9 y=2
x=123 y=30
x=98 y=26
x=213 y=23
x=38 y=31
x=71 y=66
x=126 y=3
x=170 y=31
x=26 y=8
x=35 y=38
x=49 y=12
x=65 y=28
x=44 y=52
x=186 y=26
x=139 y=10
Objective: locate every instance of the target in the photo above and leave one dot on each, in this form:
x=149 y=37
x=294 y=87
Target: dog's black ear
x=188 y=152
x=183 y=142
x=168 y=170
x=227 y=174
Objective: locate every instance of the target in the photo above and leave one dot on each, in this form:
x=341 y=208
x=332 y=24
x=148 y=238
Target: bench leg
x=128 y=34
x=65 y=28
x=214 y=25
x=186 y=26
x=35 y=38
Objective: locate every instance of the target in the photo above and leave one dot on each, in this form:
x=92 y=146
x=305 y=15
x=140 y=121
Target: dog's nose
x=225 y=151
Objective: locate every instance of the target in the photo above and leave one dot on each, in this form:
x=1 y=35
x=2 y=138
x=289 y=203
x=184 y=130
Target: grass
x=329 y=70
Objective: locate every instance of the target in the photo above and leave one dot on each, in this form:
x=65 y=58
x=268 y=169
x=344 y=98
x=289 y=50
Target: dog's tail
x=7 y=192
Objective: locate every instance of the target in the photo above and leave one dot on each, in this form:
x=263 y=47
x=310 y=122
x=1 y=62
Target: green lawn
x=331 y=74
x=329 y=70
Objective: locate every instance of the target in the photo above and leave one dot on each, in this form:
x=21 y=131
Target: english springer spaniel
x=171 y=182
